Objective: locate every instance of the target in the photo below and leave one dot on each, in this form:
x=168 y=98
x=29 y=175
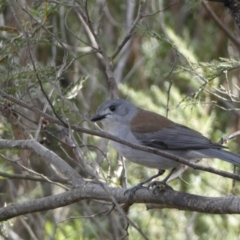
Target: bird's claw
x=158 y=186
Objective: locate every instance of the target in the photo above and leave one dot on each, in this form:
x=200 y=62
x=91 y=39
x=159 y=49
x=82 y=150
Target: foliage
x=52 y=63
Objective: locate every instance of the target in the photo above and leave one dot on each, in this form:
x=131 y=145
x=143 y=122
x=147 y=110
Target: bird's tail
x=222 y=154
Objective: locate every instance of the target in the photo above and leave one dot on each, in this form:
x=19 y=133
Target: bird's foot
x=158 y=186
x=130 y=192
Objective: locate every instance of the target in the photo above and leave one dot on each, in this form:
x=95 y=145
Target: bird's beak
x=97 y=117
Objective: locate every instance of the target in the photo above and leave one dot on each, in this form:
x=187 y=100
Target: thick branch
x=45 y=153
x=166 y=198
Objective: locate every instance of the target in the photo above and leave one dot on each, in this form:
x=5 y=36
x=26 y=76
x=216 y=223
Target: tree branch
x=33 y=178
x=130 y=31
x=165 y=198
x=221 y=25
x=45 y=153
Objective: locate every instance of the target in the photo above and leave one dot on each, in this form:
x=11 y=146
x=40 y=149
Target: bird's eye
x=112 y=108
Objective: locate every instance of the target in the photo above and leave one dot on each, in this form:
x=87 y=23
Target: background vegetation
x=64 y=58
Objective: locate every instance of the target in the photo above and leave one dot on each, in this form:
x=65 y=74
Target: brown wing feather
x=146 y=122
x=157 y=131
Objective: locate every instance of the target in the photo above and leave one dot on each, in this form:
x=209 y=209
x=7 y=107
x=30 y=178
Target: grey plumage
x=124 y=120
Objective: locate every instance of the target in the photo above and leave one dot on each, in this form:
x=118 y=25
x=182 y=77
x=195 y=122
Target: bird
x=128 y=122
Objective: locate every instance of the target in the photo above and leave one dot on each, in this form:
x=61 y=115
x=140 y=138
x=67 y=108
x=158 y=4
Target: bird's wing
x=174 y=137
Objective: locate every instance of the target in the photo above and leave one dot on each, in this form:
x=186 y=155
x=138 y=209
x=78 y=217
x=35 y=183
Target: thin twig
x=221 y=25
x=130 y=31
x=32 y=178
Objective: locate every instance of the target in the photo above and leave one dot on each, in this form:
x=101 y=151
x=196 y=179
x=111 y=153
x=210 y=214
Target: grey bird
x=128 y=122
